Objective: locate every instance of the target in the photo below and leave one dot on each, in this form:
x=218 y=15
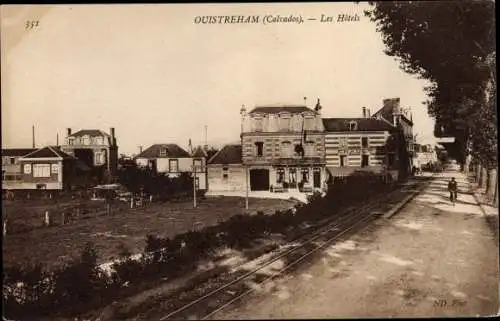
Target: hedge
x=80 y=285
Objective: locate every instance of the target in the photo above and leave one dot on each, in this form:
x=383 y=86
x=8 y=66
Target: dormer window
x=353 y=126
x=309 y=122
x=284 y=121
x=163 y=152
x=258 y=121
x=86 y=140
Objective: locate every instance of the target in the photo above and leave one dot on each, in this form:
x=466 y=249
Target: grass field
x=56 y=245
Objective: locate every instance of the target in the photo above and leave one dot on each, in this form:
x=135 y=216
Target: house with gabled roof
x=172 y=160
x=225 y=170
x=49 y=168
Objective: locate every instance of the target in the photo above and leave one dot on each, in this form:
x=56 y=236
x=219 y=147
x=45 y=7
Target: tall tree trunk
x=484 y=175
x=492 y=179
x=495 y=197
x=480 y=175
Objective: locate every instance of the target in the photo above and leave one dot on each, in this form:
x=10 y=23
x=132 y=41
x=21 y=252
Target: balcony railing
x=284 y=160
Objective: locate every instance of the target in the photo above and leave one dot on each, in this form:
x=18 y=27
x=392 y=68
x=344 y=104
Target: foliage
x=80 y=285
x=460 y=66
x=146 y=180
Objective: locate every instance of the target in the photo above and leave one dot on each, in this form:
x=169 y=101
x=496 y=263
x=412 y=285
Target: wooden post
x=132 y=202
x=62 y=218
x=150 y=198
x=4 y=227
x=47 y=218
x=108 y=208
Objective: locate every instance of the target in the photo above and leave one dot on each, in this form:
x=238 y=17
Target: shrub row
x=80 y=284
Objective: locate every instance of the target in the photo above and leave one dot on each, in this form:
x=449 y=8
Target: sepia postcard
x=249 y=161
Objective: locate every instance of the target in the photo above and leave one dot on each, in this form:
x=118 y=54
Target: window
x=225 y=173
x=365 y=160
x=97 y=158
x=41 y=170
x=353 y=126
x=198 y=165
x=12 y=160
x=173 y=165
x=54 y=168
x=260 y=148
x=305 y=175
x=286 y=149
x=364 y=142
x=98 y=140
x=293 y=176
x=309 y=149
x=258 y=124
x=86 y=140
x=284 y=122
x=391 y=159
x=27 y=168
x=163 y=152
x=343 y=160
x=309 y=123
x=71 y=141
x=280 y=175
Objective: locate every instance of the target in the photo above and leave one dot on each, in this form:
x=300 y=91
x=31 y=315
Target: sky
x=156 y=76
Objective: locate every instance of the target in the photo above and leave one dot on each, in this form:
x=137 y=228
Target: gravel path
x=432 y=259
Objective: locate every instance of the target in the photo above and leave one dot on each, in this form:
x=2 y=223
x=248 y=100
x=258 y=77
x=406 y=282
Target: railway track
x=330 y=230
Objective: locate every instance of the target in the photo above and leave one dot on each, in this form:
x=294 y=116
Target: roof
x=293 y=109
x=229 y=154
x=387 y=111
x=173 y=150
x=13 y=152
x=48 y=152
x=199 y=152
x=89 y=132
x=363 y=124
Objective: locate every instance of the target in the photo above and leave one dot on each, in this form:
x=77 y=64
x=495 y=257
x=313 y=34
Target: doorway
x=259 y=179
x=317 y=178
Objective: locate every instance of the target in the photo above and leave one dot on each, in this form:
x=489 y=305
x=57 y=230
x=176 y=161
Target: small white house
x=173 y=160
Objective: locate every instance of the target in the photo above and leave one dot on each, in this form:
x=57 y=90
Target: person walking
x=452 y=188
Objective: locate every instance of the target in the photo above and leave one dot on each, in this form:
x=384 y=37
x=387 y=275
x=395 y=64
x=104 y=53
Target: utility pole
x=194 y=185
x=246 y=176
x=33 y=135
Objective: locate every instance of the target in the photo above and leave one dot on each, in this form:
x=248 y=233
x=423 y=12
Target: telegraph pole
x=194 y=185
x=246 y=176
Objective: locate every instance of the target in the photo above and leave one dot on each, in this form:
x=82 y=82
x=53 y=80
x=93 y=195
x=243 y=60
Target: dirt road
x=431 y=259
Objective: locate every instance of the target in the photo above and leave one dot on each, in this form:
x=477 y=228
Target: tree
x=451 y=44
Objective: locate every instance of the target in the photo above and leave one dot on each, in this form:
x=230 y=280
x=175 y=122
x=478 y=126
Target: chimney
x=68 y=130
x=364 y=112
x=368 y=114
x=140 y=149
x=318 y=106
x=112 y=133
x=33 y=135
